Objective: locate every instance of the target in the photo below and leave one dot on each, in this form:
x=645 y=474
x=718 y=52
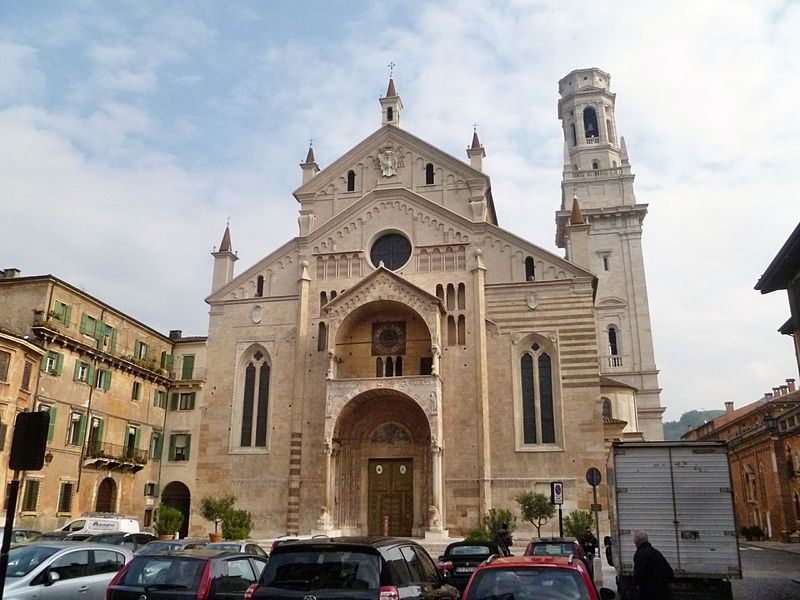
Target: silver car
x=62 y=570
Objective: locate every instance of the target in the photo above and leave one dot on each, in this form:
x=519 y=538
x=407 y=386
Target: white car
x=62 y=570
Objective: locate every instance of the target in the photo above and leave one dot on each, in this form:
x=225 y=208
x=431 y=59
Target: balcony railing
x=612 y=362
x=116 y=455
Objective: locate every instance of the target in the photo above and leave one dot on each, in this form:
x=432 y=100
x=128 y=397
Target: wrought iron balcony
x=107 y=455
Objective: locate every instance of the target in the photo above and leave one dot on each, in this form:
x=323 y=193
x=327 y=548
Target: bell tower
x=597 y=174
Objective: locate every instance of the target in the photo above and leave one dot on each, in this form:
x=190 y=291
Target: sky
x=130 y=132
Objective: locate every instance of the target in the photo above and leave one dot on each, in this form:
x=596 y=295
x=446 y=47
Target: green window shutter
x=173 y=401
x=59 y=363
x=77 y=372
x=52 y=426
x=86 y=324
x=90 y=375
x=136 y=437
x=188 y=445
x=172 y=447
x=170 y=362
x=113 y=348
x=159 y=449
x=82 y=430
x=100 y=431
x=99 y=330
x=107 y=381
x=191 y=400
x=146 y=488
x=188 y=367
x=43 y=363
x=67 y=315
x=137 y=347
x=163 y=362
x=156 y=490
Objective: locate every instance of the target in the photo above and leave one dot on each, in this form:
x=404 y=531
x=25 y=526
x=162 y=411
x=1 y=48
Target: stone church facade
x=404 y=364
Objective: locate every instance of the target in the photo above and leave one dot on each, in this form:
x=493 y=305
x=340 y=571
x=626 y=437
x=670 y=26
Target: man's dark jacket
x=652 y=573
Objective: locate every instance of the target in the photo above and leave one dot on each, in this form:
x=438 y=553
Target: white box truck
x=680 y=494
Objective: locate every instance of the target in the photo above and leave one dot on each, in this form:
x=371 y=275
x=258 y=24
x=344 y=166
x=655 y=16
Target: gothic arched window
x=613 y=346
x=351 y=181
x=429 y=174
x=260 y=286
x=530 y=269
x=254 y=400
x=390 y=114
x=538 y=397
x=590 y=122
x=607 y=408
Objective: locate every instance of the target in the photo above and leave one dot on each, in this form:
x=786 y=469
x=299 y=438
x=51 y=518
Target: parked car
x=132 y=541
x=21 y=536
x=62 y=570
x=460 y=559
x=534 y=577
x=560 y=547
x=351 y=567
x=198 y=574
x=50 y=536
x=244 y=547
x=292 y=538
x=168 y=545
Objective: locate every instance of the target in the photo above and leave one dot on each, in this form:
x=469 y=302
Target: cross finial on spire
x=228 y=222
x=391 y=66
x=310 y=141
x=474 y=127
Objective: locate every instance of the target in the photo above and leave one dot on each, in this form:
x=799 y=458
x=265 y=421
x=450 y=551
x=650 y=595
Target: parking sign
x=557 y=493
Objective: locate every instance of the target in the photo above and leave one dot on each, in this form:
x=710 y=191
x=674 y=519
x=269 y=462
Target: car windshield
x=107 y=538
x=225 y=547
x=476 y=550
x=541 y=583
x=24 y=559
x=313 y=569
x=164 y=572
x=554 y=549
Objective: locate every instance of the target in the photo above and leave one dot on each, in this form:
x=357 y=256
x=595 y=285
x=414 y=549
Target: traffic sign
x=597 y=507
x=593 y=476
x=556 y=493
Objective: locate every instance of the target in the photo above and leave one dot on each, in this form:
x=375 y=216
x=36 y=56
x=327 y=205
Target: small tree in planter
x=536 y=509
x=577 y=522
x=237 y=525
x=216 y=510
x=169 y=521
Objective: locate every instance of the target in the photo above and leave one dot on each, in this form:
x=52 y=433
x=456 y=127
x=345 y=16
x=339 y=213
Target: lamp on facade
x=48 y=458
x=771 y=423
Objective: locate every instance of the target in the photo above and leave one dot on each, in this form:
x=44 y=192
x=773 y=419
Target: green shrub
x=169 y=520
x=496 y=517
x=237 y=525
x=477 y=534
x=216 y=509
x=576 y=523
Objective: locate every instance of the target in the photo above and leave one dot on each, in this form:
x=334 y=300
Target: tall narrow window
x=538 y=397
x=462 y=330
x=590 y=122
x=595 y=165
x=390 y=114
x=452 y=336
x=530 y=269
x=607 y=407
x=613 y=348
x=65 y=497
x=187 y=371
x=30 y=498
x=322 y=337
x=351 y=181
x=379 y=367
x=389 y=367
x=451 y=297
x=429 y=174
x=574 y=134
x=606 y=263
x=260 y=286
x=255 y=401
x=462 y=296
x=440 y=292
x=398 y=366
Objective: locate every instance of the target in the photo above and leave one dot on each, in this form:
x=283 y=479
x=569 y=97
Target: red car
x=560 y=547
x=534 y=578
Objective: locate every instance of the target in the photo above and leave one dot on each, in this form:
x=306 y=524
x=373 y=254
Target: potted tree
x=169 y=521
x=216 y=510
x=237 y=525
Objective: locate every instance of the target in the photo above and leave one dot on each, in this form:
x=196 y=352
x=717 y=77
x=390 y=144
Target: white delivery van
x=92 y=524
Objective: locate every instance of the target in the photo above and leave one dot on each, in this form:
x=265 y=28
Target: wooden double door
x=391 y=495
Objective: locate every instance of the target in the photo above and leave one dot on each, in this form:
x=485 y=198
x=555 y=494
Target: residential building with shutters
x=104 y=377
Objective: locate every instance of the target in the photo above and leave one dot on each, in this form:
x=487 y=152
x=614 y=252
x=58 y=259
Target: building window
x=84 y=372
x=26 y=376
x=255 y=401
x=95 y=436
x=595 y=165
x=103 y=380
x=187 y=370
x=151 y=489
x=109 y=338
x=5 y=362
x=606 y=262
x=607 y=408
x=132 y=441
x=259 y=286
x=351 y=181
x=140 y=350
x=52 y=363
x=30 y=498
x=77 y=429
x=590 y=122
x=156 y=445
x=186 y=401
x=61 y=312
x=136 y=391
x=65 y=497
x=391 y=249
x=538 y=411
x=530 y=269
x=390 y=114
x=613 y=347
x=429 y=174
x=160 y=399
x=322 y=337
x=179 y=444
x=50 y=410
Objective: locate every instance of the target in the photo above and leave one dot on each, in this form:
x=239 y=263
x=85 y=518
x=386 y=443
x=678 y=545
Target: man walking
x=651 y=571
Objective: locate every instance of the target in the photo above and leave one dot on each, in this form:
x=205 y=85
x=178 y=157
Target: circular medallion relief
x=379 y=469
x=391 y=249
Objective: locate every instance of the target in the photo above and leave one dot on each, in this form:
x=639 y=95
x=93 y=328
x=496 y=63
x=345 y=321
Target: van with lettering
x=91 y=524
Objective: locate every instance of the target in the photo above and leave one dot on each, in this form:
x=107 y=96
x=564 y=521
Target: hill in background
x=673 y=430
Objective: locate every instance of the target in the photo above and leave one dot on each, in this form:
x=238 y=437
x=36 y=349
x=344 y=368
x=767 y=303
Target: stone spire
x=391 y=105
x=576 y=218
x=475 y=152
x=309 y=167
x=223 y=261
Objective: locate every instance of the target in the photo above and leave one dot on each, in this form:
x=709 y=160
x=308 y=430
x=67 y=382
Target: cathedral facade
x=404 y=364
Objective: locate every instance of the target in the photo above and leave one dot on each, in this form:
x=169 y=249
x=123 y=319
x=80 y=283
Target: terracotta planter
x=166 y=536
x=215 y=537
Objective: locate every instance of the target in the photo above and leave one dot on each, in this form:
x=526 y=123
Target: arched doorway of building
x=382 y=465
x=177 y=495
x=106 y=496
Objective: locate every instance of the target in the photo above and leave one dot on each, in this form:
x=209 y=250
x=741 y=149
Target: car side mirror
x=52 y=577
x=607 y=594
